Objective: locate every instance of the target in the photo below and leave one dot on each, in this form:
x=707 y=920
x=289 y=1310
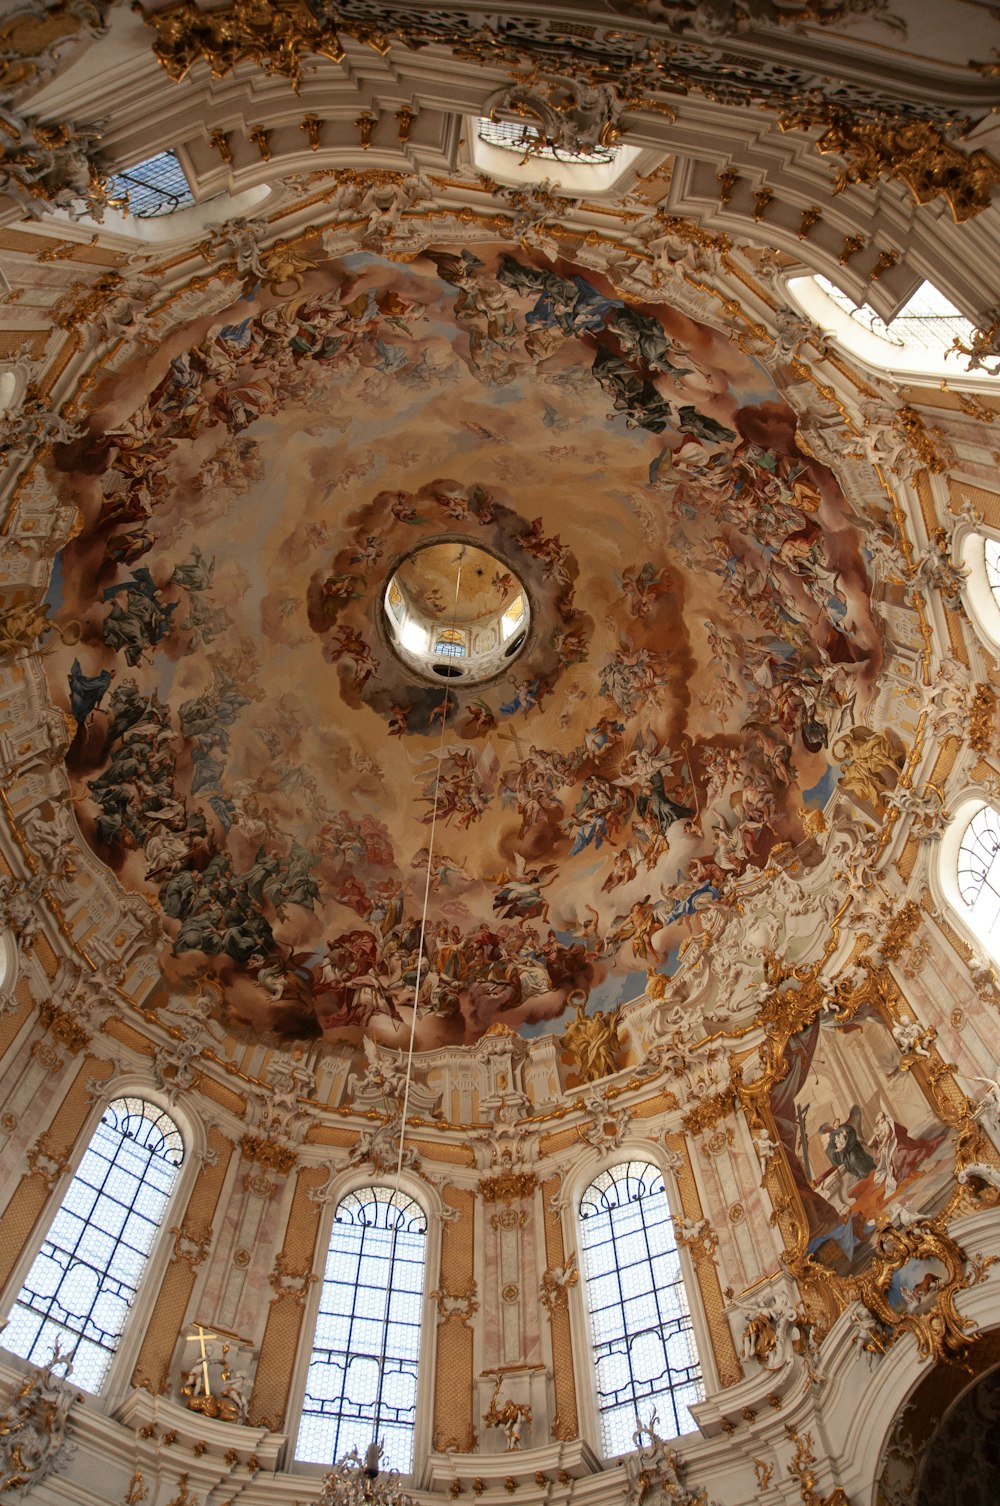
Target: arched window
x=979 y=554
x=362 y=1381
x=979 y=873
x=645 y=1355
x=919 y=339
x=82 y=1284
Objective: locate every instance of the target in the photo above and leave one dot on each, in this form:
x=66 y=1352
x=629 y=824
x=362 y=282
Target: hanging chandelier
x=354 y=1481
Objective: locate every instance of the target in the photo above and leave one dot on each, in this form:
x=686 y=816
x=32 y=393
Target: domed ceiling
x=254 y=757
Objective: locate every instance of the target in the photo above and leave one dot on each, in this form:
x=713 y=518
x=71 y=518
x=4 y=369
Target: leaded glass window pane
x=518 y=136
x=362 y=1381
x=155 y=187
x=979 y=869
x=645 y=1355
x=83 y=1282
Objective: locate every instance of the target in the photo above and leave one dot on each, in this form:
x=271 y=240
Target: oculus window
x=645 y=1357
x=362 y=1380
x=82 y=1284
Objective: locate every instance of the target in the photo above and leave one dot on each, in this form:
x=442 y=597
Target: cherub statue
x=511 y=1417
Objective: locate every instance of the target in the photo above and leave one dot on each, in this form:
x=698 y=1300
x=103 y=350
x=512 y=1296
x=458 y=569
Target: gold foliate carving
x=288 y=1280
x=913 y=152
x=557 y=1282
x=763 y=1471
x=277 y=34
x=508 y=1186
x=267 y=1153
x=982 y=719
x=63 y=1028
x=899 y=931
x=136 y=1491
x=985 y=344
x=928 y=445
x=801 y=1469
x=967 y=401
x=461 y=1305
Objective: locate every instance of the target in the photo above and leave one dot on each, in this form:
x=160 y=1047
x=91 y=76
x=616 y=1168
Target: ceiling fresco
x=252 y=756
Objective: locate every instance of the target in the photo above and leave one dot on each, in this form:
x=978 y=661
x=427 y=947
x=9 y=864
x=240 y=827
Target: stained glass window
x=154 y=187
x=645 y=1355
x=979 y=868
x=362 y=1381
x=83 y=1282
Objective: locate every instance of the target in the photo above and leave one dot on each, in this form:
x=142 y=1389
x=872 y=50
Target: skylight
x=526 y=140
x=919 y=339
x=155 y=187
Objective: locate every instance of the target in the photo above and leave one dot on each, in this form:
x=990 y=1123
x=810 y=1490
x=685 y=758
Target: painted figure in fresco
x=640 y=335
x=644 y=586
x=86 y=692
x=181 y=795
x=519 y=895
x=844 y=1146
x=898 y=1153
x=144 y=619
x=631 y=393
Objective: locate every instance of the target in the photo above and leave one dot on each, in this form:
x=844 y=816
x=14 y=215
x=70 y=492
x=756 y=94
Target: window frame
x=944 y=874
x=577 y=1183
x=872 y=350
x=432 y=1206
x=117 y=1383
x=969 y=549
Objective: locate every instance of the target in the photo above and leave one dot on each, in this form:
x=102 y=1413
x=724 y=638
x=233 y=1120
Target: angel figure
x=593 y=1039
x=865 y=765
x=283 y=265
x=511 y=1417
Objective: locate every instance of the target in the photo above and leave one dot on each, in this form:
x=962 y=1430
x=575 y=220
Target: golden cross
x=201 y=1336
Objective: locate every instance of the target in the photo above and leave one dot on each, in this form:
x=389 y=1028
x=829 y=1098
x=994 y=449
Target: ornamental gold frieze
x=982 y=724
x=626 y=65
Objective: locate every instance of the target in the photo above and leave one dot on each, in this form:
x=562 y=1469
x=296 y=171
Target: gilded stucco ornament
x=984 y=346
x=800 y=1467
x=36 y=32
x=914 y=152
x=282 y=36
x=656 y=1473
x=569 y=116
x=54 y=166
x=33 y=1432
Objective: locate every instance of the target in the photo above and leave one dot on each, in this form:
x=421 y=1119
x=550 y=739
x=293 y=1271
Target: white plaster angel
x=771 y=1324
x=987 y=1110
x=911 y=1038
